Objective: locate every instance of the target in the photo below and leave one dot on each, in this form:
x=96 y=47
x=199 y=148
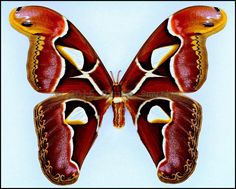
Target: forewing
x=141 y=72
x=60 y=59
x=174 y=57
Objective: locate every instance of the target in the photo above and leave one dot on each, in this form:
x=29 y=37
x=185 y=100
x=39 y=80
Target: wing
x=169 y=127
x=173 y=60
x=66 y=127
x=60 y=59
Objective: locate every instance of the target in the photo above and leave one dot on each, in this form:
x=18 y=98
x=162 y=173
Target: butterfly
x=172 y=61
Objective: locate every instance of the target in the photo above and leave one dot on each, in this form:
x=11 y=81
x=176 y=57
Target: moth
x=172 y=61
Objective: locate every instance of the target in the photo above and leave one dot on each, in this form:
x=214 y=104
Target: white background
x=117 y=30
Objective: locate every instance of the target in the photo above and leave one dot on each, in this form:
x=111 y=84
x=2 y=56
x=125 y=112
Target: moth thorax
x=116 y=89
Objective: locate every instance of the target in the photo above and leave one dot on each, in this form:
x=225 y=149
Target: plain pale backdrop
x=117 y=30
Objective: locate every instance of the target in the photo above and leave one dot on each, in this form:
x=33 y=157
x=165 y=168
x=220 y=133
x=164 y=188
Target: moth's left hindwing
x=66 y=127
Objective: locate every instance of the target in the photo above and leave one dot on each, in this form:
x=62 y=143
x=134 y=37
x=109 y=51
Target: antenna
x=118 y=76
x=112 y=77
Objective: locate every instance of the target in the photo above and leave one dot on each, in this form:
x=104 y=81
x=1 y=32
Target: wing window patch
x=160 y=55
x=158 y=115
x=74 y=56
x=77 y=117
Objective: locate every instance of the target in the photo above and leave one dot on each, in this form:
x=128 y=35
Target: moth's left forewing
x=59 y=58
x=169 y=127
x=83 y=66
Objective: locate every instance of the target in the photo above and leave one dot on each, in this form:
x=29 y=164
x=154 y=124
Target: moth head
x=202 y=20
x=31 y=20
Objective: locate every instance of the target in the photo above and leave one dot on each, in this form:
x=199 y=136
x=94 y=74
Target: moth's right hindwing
x=169 y=127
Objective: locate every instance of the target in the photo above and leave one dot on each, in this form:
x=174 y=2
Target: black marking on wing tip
x=26 y=24
x=18 y=9
x=217 y=9
x=208 y=24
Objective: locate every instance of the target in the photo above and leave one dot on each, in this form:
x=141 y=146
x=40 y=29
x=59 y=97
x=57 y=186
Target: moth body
x=118 y=106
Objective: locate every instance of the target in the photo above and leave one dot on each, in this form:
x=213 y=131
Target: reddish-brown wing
x=60 y=59
x=173 y=60
x=92 y=76
x=171 y=139
x=147 y=74
x=66 y=127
